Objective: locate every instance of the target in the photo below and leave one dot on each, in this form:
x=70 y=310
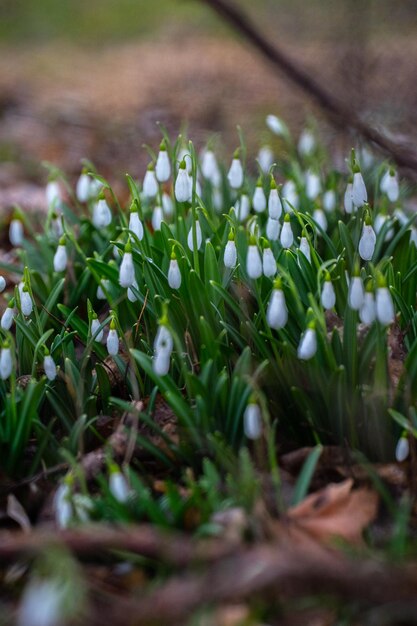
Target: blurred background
x=91 y=79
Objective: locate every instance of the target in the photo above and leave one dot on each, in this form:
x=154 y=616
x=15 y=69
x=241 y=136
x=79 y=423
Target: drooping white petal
x=83 y=188
x=328 y=296
x=26 y=303
x=319 y=217
x=307 y=347
x=60 y=258
x=174 y=274
x=199 y=236
x=259 y=200
x=277 y=312
x=235 y=174
x=242 y=208
x=274 y=205
x=112 y=342
x=163 y=166
x=6 y=363
x=2 y=283
x=367 y=242
x=7 y=318
x=313 y=185
x=306 y=142
x=16 y=232
x=131 y=292
x=157 y=218
x=305 y=248
x=163 y=341
x=95 y=326
x=287 y=237
x=276 y=125
x=150 y=184
x=161 y=362
x=385 y=312
x=393 y=188
x=348 y=199
x=356 y=293
x=230 y=254
x=252 y=421
x=182 y=186
x=127 y=270
x=265 y=158
x=367 y=312
x=101 y=214
x=53 y=194
x=269 y=263
x=359 y=194
x=209 y=167
x=290 y=197
x=402 y=449
x=273 y=228
x=167 y=204
x=42 y=604
x=118 y=486
x=253 y=262
x=49 y=367
x=329 y=200
x=135 y=225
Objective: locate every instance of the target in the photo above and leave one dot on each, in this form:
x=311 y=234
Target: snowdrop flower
x=390 y=186
x=26 y=303
x=167 y=204
x=319 y=217
x=367 y=311
x=307 y=347
x=83 y=187
x=273 y=228
x=161 y=363
x=367 y=241
x=163 y=341
x=313 y=185
x=53 y=194
x=56 y=225
x=103 y=286
x=209 y=168
x=174 y=274
x=348 y=198
x=101 y=214
x=385 y=313
x=259 y=199
x=43 y=603
x=253 y=260
x=112 y=340
x=199 y=236
x=235 y=174
x=96 y=331
x=274 y=202
x=157 y=218
x=328 y=296
x=182 y=184
x=269 y=263
x=276 y=125
x=252 y=420
x=359 y=194
x=305 y=248
x=62 y=503
x=135 y=225
x=131 y=291
x=49 y=367
x=150 y=184
x=95 y=187
x=277 y=312
x=2 y=283
x=402 y=449
x=6 y=362
x=118 y=485
x=163 y=164
x=290 y=196
x=127 y=269
x=16 y=232
x=356 y=293
x=265 y=158
x=60 y=256
x=8 y=316
x=306 y=142
x=287 y=237
x=329 y=200
x=184 y=155
x=243 y=208
x=230 y=253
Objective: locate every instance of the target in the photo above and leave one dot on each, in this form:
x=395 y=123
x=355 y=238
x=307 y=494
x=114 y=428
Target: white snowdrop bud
x=182 y=184
x=127 y=269
x=174 y=274
x=307 y=347
x=277 y=312
x=269 y=263
x=83 y=187
x=265 y=158
x=290 y=197
x=230 y=253
x=313 y=185
x=348 y=199
x=96 y=331
x=135 y=225
x=359 y=194
x=274 y=202
x=43 y=603
x=328 y=296
x=276 y=125
x=367 y=241
x=6 y=362
x=16 y=232
x=243 y=208
x=385 y=313
x=96 y=187
x=62 y=504
x=319 y=217
x=167 y=204
x=199 y=237
x=161 y=362
x=287 y=237
x=157 y=217
x=131 y=292
x=253 y=260
x=118 y=485
x=163 y=164
x=53 y=194
x=235 y=174
x=305 y=248
x=252 y=421
x=26 y=303
x=60 y=256
x=112 y=340
x=2 y=283
x=7 y=317
x=402 y=449
x=163 y=341
x=101 y=214
x=356 y=293
x=209 y=168
x=329 y=200
x=56 y=225
x=259 y=199
x=273 y=228
x=393 y=188
x=49 y=367
x=150 y=184
x=367 y=311
x=306 y=142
